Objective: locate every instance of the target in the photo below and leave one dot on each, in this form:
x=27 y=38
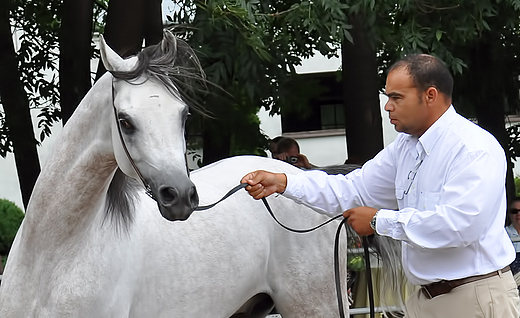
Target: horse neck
x=72 y=186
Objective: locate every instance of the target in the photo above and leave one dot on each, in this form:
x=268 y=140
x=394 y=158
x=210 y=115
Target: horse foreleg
x=258 y=306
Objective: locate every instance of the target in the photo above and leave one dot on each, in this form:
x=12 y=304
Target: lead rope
x=336 y=248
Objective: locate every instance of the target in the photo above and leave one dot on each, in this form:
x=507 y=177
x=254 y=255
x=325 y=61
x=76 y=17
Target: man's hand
x=263 y=183
x=359 y=219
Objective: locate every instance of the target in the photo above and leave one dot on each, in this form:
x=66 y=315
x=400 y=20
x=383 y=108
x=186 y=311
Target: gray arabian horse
x=93 y=244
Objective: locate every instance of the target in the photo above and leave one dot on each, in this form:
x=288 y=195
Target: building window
x=332 y=116
x=320 y=104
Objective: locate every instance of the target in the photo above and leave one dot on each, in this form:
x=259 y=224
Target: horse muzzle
x=177 y=202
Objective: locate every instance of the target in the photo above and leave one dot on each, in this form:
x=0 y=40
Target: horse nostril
x=193 y=197
x=169 y=194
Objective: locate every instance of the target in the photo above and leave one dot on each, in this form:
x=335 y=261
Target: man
x=438 y=188
x=513 y=231
x=289 y=150
x=273 y=146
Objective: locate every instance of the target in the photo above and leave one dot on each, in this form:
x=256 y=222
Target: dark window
x=320 y=104
x=332 y=116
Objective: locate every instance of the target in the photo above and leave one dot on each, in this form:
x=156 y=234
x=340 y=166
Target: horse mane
x=396 y=288
x=174 y=63
x=121 y=198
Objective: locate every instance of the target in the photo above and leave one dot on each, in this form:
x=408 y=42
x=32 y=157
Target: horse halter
x=147 y=187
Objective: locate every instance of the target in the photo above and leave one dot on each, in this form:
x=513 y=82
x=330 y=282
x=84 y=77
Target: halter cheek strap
x=147 y=187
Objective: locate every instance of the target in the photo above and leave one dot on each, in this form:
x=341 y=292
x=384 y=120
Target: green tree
x=19 y=74
x=249 y=49
x=11 y=217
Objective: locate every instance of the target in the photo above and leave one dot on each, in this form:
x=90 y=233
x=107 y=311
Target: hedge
x=11 y=217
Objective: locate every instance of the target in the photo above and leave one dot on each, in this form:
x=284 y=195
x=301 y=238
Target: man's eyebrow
x=392 y=94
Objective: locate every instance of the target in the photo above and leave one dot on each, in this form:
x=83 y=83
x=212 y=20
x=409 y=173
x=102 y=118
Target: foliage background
x=11 y=217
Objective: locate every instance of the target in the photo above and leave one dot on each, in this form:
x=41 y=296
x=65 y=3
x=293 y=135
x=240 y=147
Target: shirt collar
x=432 y=134
x=511 y=230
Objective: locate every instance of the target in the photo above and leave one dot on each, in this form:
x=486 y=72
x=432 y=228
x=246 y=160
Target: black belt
x=445 y=286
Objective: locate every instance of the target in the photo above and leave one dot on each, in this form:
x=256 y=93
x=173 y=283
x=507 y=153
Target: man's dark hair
x=515 y=199
x=284 y=144
x=273 y=145
x=427 y=71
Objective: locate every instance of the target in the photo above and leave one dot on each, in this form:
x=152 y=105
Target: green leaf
x=438 y=35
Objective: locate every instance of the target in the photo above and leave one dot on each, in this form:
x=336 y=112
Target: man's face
x=406 y=108
x=515 y=218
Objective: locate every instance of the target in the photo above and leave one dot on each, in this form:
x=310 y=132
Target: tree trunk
x=75 y=54
x=216 y=134
x=16 y=108
x=488 y=97
x=153 y=24
x=126 y=27
x=363 y=125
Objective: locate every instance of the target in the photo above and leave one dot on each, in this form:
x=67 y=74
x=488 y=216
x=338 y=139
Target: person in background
x=439 y=188
x=513 y=230
x=273 y=146
x=288 y=150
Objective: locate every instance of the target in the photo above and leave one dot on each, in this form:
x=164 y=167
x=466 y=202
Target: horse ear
x=112 y=61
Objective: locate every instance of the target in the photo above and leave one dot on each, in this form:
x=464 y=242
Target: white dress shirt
x=450 y=215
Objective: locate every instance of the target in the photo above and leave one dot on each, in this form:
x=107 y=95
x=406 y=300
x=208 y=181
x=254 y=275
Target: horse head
x=150 y=112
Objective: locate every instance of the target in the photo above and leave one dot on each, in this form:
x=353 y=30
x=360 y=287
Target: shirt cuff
x=385 y=222
x=292 y=190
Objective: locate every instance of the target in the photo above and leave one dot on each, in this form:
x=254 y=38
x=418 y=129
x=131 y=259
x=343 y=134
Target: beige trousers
x=494 y=297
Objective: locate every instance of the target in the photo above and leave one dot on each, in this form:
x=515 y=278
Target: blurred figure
x=513 y=230
x=287 y=149
x=273 y=146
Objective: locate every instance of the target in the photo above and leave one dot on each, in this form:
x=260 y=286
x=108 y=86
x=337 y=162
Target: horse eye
x=125 y=124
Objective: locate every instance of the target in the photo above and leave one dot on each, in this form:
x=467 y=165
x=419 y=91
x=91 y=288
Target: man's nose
x=388 y=106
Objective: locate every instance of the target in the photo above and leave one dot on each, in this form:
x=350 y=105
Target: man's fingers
x=248 y=178
x=252 y=178
x=256 y=191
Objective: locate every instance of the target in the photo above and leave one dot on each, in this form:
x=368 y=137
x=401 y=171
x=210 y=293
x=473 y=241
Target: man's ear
x=431 y=95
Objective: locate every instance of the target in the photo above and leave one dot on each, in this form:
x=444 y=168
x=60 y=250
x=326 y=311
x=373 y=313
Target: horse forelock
x=174 y=63
x=121 y=201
